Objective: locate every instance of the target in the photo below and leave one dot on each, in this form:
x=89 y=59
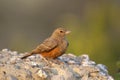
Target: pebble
x=103 y=69
x=5 y=50
x=42 y=74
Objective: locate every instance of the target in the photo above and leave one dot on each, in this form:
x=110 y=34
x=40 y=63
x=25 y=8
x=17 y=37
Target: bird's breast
x=56 y=52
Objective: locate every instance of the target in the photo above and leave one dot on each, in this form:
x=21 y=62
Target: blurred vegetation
x=95 y=26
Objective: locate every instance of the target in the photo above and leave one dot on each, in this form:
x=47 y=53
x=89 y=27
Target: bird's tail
x=27 y=55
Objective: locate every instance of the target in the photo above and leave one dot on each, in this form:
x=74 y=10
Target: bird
x=52 y=47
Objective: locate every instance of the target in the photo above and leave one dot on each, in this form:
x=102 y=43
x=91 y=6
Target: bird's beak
x=67 y=32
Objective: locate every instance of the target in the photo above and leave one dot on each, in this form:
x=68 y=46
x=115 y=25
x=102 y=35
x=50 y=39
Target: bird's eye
x=61 y=31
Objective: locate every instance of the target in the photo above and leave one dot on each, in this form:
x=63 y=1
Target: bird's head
x=60 y=32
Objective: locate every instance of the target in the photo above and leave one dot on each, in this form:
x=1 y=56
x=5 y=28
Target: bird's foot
x=56 y=61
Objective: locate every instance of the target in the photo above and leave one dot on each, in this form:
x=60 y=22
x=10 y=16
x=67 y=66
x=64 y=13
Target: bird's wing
x=47 y=45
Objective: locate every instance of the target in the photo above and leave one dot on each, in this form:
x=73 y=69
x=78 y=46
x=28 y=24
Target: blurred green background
x=95 y=26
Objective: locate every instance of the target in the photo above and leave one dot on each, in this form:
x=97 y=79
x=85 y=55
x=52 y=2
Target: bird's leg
x=46 y=60
x=49 y=61
x=58 y=61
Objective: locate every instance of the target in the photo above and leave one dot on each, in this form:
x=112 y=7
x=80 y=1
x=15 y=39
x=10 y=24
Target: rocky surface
x=66 y=67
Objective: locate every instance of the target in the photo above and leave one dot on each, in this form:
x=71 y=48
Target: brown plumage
x=52 y=47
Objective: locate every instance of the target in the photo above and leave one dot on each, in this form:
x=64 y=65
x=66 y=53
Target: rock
x=57 y=77
x=35 y=67
x=11 y=77
x=42 y=74
x=103 y=69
